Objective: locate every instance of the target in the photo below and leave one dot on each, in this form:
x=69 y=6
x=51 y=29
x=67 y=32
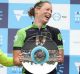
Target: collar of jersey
x=35 y=26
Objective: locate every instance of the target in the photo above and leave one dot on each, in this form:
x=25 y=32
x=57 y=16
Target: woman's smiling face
x=44 y=12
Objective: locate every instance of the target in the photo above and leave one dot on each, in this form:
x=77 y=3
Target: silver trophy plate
x=40 y=54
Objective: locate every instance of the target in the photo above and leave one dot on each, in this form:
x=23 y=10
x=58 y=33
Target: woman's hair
x=31 y=12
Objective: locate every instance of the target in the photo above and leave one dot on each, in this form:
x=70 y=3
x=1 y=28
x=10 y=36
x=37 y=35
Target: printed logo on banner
x=14 y=70
x=3 y=15
x=56 y=16
x=23 y=1
x=60 y=69
x=75 y=17
x=3 y=39
x=75 y=42
x=74 y=64
x=60 y=16
x=75 y=1
x=18 y=15
x=66 y=41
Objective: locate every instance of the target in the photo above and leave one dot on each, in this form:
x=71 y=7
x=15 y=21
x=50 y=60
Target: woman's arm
x=5 y=60
x=17 y=57
x=60 y=56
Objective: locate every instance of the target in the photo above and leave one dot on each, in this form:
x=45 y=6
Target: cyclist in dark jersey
x=41 y=12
